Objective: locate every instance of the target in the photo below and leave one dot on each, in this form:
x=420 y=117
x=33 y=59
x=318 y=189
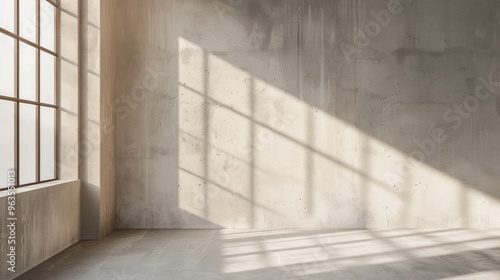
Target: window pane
x=6 y=139
x=47 y=25
x=27 y=19
x=47 y=158
x=27 y=143
x=27 y=72
x=47 y=77
x=7 y=14
x=7 y=66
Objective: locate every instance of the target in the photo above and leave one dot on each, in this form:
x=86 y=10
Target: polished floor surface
x=279 y=254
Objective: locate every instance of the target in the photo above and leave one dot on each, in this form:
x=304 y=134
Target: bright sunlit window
x=28 y=89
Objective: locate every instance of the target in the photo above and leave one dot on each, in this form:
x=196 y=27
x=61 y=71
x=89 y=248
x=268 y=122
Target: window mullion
x=57 y=125
x=38 y=29
x=16 y=94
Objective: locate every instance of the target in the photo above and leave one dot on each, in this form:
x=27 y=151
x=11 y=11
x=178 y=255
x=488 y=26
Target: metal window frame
x=38 y=104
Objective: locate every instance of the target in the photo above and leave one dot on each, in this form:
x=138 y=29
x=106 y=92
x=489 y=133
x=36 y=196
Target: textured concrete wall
x=274 y=114
x=96 y=126
x=90 y=123
x=48 y=221
x=106 y=59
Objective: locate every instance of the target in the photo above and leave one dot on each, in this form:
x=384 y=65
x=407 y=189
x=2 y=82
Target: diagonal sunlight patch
x=309 y=252
x=254 y=156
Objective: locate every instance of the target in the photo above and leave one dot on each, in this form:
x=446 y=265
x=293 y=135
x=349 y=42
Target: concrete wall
x=96 y=151
x=106 y=57
x=48 y=221
x=277 y=114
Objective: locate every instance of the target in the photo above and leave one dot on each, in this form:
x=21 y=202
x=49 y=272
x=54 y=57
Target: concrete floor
x=279 y=254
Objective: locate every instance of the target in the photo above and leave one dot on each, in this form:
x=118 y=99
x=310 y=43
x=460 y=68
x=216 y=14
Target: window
x=28 y=90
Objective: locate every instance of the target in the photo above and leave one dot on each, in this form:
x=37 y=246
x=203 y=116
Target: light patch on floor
x=280 y=254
